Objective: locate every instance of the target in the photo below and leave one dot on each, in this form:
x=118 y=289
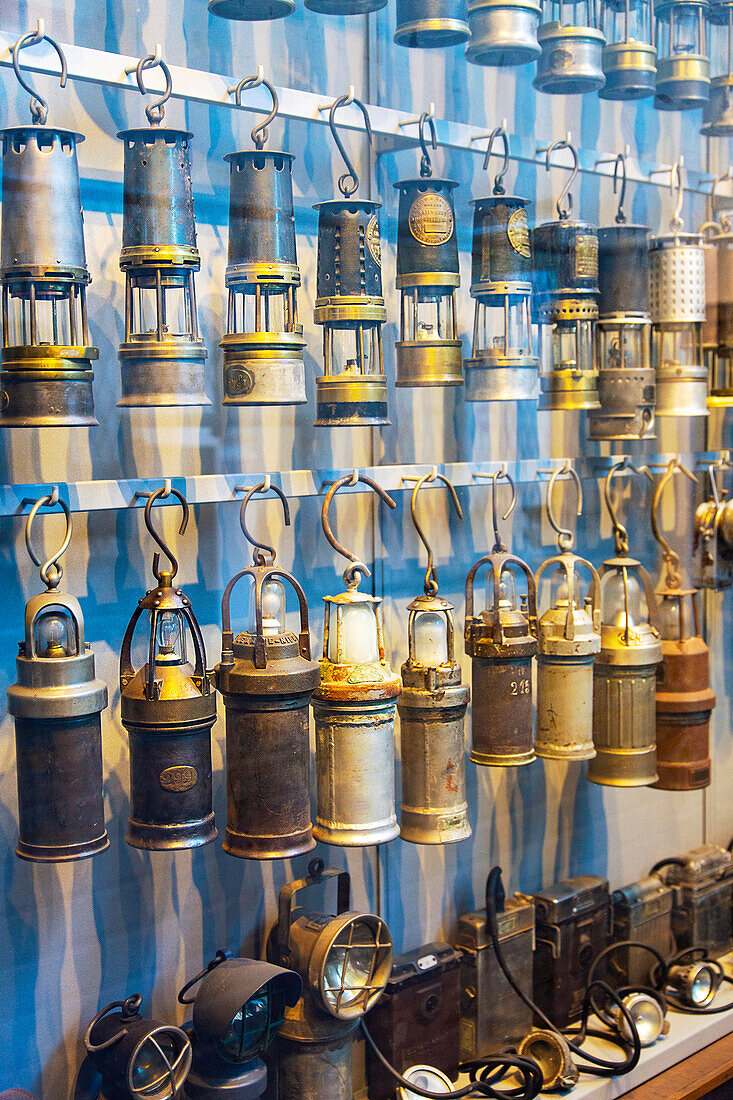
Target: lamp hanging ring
x=130 y=1008
x=426 y=164
x=563 y=213
x=724 y=222
x=671 y=558
x=431 y=576
x=676 y=186
x=157 y=495
x=39 y=106
x=499 y=547
x=51 y=571
x=348 y=183
x=498 y=132
x=260 y=132
x=565 y=537
x=263 y=554
x=219 y=957
x=358 y=569
x=155 y=110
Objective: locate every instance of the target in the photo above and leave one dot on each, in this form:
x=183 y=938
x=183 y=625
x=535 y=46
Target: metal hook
x=675 y=183
x=498 y=132
x=351 y=574
x=426 y=165
x=259 y=132
x=51 y=571
x=618 y=161
x=724 y=222
x=499 y=546
x=158 y=495
x=721 y=463
x=349 y=182
x=430 y=586
x=39 y=107
x=263 y=554
x=565 y=537
x=621 y=535
x=671 y=558
x=563 y=143
x=155 y=110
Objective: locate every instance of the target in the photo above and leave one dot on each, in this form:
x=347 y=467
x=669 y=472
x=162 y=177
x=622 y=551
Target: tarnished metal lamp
x=571 y=52
x=503 y=32
x=431 y=24
x=629 y=56
x=683 y=65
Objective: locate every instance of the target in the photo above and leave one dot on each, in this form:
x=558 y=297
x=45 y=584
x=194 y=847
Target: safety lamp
x=57 y=703
x=349 y=303
x=503 y=365
x=345 y=960
x=136 y=1056
x=431 y=24
x=719 y=256
x=683 y=67
x=501 y=641
x=625 y=375
x=552 y=1054
x=263 y=345
x=629 y=58
x=571 y=52
x=266 y=677
x=684 y=698
x=712 y=546
x=428 y=351
x=568 y=640
x=46 y=361
x=162 y=357
x=565 y=303
x=625 y=671
x=696 y=983
x=432 y=708
x=168 y=707
x=503 y=32
x=717 y=112
x=354 y=709
x=237 y=1013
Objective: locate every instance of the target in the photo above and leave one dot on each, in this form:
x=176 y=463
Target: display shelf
x=106 y=496
x=394 y=129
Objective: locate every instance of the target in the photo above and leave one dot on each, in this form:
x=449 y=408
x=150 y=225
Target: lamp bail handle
x=565 y=537
x=498 y=132
x=673 y=577
x=499 y=547
x=353 y=573
x=219 y=957
x=348 y=183
x=621 y=535
x=39 y=106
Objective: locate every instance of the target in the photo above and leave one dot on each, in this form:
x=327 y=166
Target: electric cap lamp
x=263 y=345
x=431 y=24
x=717 y=112
x=565 y=301
x=503 y=365
x=266 y=677
x=568 y=639
x=136 y=1057
x=428 y=351
x=168 y=707
x=46 y=358
x=683 y=64
x=629 y=57
x=684 y=698
x=695 y=983
x=354 y=708
x=677 y=294
x=345 y=960
x=570 y=61
x=501 y=641
x=625 y=671
x=626 y=379
x=552 y=1054
x=162 y=357
x=349 y=302
x=432 y=708
x=237 y=1013
x=57 y=705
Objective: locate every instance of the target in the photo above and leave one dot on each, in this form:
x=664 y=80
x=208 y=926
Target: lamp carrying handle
x=316 y=875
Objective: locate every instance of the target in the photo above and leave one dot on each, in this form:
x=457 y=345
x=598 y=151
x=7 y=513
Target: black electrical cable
x=599 y=1067
x=493 y=1069
x=673 y=861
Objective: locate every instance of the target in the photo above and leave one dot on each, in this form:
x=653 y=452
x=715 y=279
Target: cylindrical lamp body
x=503 y=32
x=677 y=293
x=315 y=1070
x=683 y=67
x=570 y=61
x=431 y=24
x=684 y=705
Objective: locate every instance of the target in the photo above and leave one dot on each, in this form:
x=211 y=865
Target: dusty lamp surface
x=238 y=1010
x=432 y=709
x=683 y=67
x=57 y=704
x=431 y=24
x=684 y=698
x=46 y=360
x=168 y=706
x=626 y=379
x=570 y=51
x=553 y=1055
x=702 y=879
x=345 y=960
x=503 y=32
x=136 y=1057
x=629 y=58
x=568 y=639
x=717 y=113
x=266 y=678
x=428 y=351
x=625 y=671
x=642 y=911
x=501 y=642
x=354 y=710
x=565 y=303
x=503 y=365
